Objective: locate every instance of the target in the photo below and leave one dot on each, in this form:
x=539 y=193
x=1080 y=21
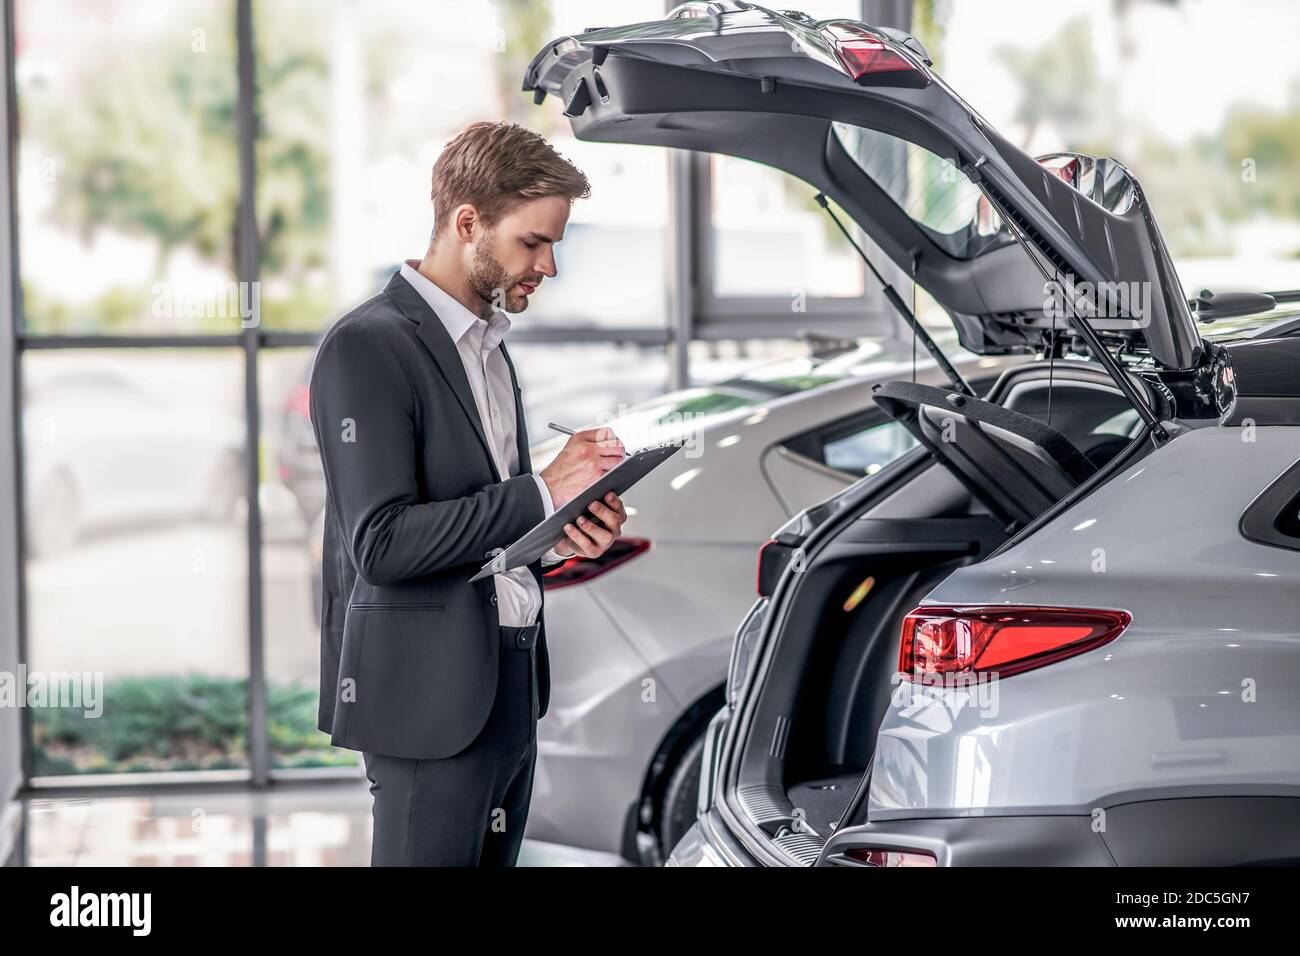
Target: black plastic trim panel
x=1274 y=517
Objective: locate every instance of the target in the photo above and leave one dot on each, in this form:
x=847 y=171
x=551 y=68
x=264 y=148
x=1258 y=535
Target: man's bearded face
x=494 y=282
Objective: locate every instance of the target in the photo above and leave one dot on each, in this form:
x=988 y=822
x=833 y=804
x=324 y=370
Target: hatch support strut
x=954 y=377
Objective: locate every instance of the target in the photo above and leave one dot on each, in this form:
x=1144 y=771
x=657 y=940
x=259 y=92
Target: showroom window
x=136 y=556
x=768 y=238
x=768 y=254
x=133 y=458
x=128 y=170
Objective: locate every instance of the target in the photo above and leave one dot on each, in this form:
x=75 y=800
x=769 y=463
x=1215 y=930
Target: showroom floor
x=294 y=825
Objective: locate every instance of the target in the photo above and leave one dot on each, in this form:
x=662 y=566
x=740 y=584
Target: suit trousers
x=468 y=809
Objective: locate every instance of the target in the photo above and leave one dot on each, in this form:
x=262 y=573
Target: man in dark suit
x=417 y=413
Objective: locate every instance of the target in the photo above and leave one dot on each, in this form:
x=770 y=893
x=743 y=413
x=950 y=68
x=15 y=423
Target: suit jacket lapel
x=433 y=334
x=521 y=433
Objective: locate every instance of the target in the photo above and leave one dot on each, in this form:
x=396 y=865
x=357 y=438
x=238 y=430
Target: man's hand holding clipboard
x=585 y=456
x=588 y=518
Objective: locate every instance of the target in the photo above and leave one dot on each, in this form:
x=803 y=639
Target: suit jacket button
x=493 y=600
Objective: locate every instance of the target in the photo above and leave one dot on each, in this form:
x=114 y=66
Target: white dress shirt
x=477 y=340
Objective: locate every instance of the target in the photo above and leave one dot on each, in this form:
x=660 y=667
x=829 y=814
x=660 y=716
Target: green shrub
x=190 y=722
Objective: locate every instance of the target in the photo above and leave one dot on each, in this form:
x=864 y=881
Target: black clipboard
x=546 y=535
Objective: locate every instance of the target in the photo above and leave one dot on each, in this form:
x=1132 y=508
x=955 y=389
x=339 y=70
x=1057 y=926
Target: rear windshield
x=930 y=189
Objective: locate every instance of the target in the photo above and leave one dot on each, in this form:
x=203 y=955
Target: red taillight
x=1005 y=640
x=865 y=54
x=882 y=857
x=578 y=570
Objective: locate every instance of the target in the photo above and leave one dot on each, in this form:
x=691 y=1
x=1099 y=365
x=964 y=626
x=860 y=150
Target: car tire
x=677 y=811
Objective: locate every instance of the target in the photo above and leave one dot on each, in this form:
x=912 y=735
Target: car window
x=928 y=187
x=866 y=451
x=1121 y=424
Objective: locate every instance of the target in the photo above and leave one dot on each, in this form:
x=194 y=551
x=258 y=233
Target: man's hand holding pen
x=586 y=456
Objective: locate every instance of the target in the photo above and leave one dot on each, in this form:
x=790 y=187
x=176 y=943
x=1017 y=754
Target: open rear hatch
x=857 y=112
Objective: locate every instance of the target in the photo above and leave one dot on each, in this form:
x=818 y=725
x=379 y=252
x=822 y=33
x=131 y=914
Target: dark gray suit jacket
x=414 y=505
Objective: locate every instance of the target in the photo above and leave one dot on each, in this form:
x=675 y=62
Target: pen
x=569 y=431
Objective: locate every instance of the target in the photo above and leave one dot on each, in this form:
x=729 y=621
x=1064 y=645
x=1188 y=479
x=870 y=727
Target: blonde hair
x=495 y=166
